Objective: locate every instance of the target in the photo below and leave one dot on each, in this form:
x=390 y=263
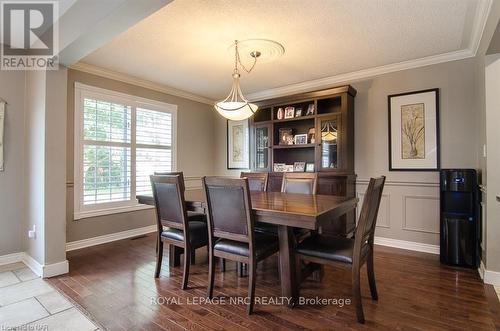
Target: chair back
x=174 y=173
x=299 y=182
x=169 y=202
x=365 y=231
x=229 y=208
x=257 y=181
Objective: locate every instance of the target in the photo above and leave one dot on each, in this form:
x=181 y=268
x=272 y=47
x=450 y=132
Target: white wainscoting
x=408 y=216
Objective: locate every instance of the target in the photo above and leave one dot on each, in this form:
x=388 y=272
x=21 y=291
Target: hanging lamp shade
x=235 y=107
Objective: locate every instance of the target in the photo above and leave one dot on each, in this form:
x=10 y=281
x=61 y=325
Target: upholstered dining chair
x=192 y=215
x=231 y=229
x=180 y=231
x=299 y=182
x=352 y=252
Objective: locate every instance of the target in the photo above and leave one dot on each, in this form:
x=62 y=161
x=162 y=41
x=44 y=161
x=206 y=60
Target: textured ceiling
x=185 y=44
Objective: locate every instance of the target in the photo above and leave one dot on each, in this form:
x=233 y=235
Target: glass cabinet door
x=262 y=142
x=329 y=142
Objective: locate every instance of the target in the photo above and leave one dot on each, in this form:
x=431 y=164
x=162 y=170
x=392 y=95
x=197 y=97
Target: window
x=120 y=140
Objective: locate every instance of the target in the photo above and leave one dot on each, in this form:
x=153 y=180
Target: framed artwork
x=298 y=112
x=300 y=139
x=238 y=145
x=309 y=167
x=285 y=136
x=289 y=112
x=299 y=166
x=414 y=131
x=279 y=167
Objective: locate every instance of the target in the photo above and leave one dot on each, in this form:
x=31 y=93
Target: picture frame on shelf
x=298 y=112
x=309 y=167
x=280 y=113
x=285 y=135
x=310 y=109
x=300 y=139
x=299 y=166
x=238 y=145
x=289 y=112
x=414 y=131
x=288 y=168
x=278 y=167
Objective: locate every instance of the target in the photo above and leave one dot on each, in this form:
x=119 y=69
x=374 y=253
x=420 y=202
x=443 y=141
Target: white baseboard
x=33 y=264
x=55 y=269
x=491 y=277
x=73 y=245
x=408 y=245
x=11 y=258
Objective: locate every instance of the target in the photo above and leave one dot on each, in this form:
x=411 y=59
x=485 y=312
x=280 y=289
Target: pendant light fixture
x=235 y=106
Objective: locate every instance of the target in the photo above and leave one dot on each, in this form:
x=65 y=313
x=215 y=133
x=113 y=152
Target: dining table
x=287 y=211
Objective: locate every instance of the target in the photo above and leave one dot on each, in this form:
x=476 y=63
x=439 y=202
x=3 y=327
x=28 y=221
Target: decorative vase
x=280 y=114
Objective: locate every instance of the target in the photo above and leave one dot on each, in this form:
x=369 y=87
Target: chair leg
x=252 y=265
x=211 y=271
x=240 y=267
x=193 y=256
x=356 y=293
x=159 y=258
x=222 y=264
x=187 y=263
x=371 y=276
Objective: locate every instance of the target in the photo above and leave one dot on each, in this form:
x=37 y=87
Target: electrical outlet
x=32 y=233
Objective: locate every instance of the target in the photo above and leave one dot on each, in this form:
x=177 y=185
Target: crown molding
x=321 y=83
x=129 y=79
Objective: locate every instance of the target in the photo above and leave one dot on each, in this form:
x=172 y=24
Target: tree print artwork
x=413 y=131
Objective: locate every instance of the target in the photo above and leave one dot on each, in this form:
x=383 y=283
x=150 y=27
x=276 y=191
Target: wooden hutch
x=331 y=151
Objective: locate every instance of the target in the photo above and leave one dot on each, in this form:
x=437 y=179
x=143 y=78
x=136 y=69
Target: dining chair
x=257 y=181
x=299 y=182
x=231 y=229
x=353 y=252
x=180 y=231
x=192 y=215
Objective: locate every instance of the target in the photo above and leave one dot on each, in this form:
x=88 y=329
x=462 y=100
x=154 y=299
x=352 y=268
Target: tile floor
x=28 y=302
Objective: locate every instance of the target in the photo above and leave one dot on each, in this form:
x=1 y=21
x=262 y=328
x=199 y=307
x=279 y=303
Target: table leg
x=174 y=256
x=288 y=274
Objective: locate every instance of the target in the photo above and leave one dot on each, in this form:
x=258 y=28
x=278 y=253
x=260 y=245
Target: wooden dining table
x=286 y=211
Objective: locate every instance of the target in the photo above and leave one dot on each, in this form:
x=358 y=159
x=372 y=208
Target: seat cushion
x=198 y=234
x=266 y=228
x=197 y=217
x=331 y=248
x=265 y=245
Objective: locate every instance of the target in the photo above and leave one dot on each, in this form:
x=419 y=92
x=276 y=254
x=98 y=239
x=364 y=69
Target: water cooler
x=460 y=234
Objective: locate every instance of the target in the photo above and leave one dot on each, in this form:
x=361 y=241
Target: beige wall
x=492 y=261
x=12 y=178
x=410 y=206
x=195 y=141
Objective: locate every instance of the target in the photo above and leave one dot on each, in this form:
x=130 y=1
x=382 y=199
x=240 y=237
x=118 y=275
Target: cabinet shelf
x=293 y=146
x=300 y=118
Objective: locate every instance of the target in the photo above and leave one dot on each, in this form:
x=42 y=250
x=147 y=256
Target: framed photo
x=285 y=136
x=299 y=166
x=414 y=131
x=278 y=167
x=288 y=167
x=298 y=112
x=300 y=139
x=238 y=145
x=309 y=167
x=310 y=109
x=289 y=112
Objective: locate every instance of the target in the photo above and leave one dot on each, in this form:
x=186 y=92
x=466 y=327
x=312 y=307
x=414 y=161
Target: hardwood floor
x=115 y=283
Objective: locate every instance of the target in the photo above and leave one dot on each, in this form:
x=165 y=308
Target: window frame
x=82 y=91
